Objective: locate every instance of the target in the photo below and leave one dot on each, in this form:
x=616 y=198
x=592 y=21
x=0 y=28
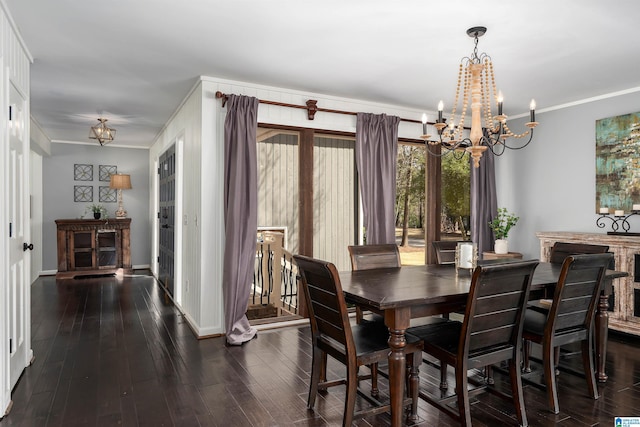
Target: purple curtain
x=484 y=204
x=376 y=159
x=240 y=214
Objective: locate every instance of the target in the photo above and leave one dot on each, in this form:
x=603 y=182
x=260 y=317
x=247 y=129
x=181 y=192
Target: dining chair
x=561 y=250
x=445 y=251
x=490 y=333
x=569 y=319
x=354 y=346
x=367 y=257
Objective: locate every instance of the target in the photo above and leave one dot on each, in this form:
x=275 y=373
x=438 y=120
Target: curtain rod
x=311 y=108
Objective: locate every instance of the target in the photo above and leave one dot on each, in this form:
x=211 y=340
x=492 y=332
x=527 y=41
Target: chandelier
x=476 y=83
x=102 y=132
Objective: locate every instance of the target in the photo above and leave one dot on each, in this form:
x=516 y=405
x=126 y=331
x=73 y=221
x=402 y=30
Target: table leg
x=601 y=336
x=397 y=369
x=397 y=321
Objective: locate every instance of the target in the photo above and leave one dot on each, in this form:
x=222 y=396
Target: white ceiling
x=133 y=61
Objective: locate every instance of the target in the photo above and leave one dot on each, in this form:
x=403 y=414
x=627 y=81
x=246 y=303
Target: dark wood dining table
x=403 y=293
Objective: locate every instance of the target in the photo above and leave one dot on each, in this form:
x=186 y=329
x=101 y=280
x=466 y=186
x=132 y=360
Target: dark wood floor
x=111 y=352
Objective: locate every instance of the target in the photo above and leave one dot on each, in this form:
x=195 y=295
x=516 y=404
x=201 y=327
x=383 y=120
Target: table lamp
x=120 y=182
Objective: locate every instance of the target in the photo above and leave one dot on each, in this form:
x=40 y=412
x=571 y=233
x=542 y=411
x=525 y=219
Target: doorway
x=18 y=303
x=166 y=219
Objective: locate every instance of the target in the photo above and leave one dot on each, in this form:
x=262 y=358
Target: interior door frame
x=5 y=389
x=26 y=355
x=180 y=217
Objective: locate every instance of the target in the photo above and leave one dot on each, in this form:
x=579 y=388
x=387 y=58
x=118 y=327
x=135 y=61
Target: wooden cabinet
x=624 y=301
x=93 y=246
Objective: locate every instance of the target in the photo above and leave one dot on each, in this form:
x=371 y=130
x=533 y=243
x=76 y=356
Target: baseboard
x=142 y=267
x=202 y=333
x=48 y=273
x=54 y=272
x=277 y=325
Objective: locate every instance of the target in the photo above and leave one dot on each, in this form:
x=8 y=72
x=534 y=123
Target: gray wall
x=58 y=183
x=551 y=184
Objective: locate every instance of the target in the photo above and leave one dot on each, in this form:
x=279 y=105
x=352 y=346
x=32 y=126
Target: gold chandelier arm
x=510 y=134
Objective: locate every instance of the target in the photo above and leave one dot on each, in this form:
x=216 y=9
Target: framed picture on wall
x=106 y=194
x=618 y=162
x=105 y=172
x=82 y=172
x=83 y=193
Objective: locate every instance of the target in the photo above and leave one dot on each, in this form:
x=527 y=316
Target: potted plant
x=501 y=225
x=98 y=210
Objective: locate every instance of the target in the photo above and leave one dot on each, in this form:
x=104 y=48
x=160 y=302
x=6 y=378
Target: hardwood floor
x=111 y=352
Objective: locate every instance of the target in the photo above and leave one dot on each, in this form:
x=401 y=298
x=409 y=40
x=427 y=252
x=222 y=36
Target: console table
x=93 y=246
x=624 y=301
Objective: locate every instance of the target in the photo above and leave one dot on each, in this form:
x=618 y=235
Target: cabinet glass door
x=82 y=249
x=107 y=253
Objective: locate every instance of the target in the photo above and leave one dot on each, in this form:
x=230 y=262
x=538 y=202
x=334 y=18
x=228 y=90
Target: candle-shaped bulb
x=440 y=108
x=424 y=123
x=500 y=99
x=532 y=110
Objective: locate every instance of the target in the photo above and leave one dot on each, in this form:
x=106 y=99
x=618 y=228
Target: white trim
x=16 y=31
x=278 y=325
x=588 y=100
x=48 y=273
x=133 y=267
x=179 y=220
x=62 y=141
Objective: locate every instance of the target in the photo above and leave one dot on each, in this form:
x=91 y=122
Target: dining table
x=404 y=293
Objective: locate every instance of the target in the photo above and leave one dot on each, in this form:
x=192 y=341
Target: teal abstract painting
x=618 y=162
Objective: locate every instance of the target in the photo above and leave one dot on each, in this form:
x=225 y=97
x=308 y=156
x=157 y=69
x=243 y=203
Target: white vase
x=501 y=246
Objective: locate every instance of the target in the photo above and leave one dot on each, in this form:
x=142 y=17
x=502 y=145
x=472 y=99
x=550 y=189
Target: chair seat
x=372 y=337
x=375 y=318
x=444 y=334
x=541 y=305
x=535 y=321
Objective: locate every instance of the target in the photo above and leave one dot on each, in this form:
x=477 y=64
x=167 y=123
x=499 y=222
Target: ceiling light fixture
x=477 y=85
x=102 y=132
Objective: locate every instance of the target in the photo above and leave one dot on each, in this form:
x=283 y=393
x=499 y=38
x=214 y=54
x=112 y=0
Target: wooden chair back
x=561 y=250
x=576 y=297
x=445 y=251
x=328 y=315
x=492 y=326
x=366 y=257
x=490 y=333
x=333 y=335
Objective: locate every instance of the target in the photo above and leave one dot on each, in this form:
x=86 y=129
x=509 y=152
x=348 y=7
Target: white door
x=19 y=254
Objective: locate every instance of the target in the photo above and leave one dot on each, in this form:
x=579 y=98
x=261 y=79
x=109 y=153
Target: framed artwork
x=618 y=162
x=83 y=193
x=106 y=194
x=105 y=172
x=82 y=172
